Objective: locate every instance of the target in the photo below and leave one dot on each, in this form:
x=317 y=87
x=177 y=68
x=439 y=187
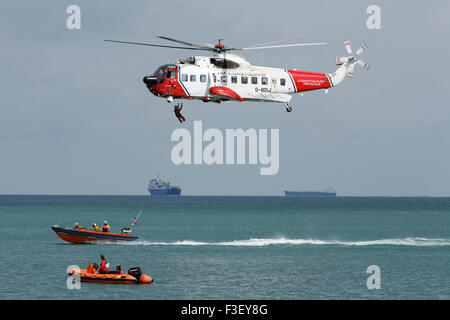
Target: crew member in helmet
x=94 y=227
x=77 y=226
x=105 y=227
x=178 y=114
x=104 y=265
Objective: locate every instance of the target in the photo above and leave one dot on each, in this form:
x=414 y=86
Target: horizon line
x=225 y=195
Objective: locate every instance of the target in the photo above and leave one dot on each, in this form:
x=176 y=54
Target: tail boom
x=307 y=81
x=339 y=75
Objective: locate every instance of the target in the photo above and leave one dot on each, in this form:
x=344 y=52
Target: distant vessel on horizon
x=328 y=192
x=158 y=187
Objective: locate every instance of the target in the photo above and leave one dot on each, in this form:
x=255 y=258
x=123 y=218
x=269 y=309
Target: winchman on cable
x=178 y=114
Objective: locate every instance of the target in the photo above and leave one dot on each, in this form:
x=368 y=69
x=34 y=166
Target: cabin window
x=244 y=80
x=264 y=81
x=193 y=78
x=202 y=78
x=233 y=79
x=184 y=77
x=223 y=79
x=283 y=81
x=214 y=77
x=274 y=82
x=254 y=80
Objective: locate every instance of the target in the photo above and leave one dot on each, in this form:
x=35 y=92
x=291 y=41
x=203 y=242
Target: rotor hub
x=219 y=47
x=352 y=59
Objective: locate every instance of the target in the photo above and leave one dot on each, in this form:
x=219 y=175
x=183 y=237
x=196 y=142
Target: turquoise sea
x=232 y=247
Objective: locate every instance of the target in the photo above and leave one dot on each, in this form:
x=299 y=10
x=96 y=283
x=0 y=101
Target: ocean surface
x=232 y=247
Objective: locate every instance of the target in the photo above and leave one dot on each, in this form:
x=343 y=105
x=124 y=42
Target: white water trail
x=260 y=242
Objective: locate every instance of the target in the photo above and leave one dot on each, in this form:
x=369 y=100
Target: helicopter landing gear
x=288 y=108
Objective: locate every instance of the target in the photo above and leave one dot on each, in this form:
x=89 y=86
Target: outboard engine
x=125 y=230
x=135 y=272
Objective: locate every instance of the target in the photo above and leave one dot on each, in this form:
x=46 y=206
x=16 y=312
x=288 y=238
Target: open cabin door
x=170 y=79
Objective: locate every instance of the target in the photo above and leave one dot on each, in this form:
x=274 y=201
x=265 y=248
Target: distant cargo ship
x=329 y=192
x=158 y=187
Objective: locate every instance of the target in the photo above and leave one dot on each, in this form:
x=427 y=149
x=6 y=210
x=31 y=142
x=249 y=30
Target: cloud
x=76 y=115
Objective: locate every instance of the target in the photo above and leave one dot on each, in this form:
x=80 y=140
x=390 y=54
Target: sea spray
x=262 y=242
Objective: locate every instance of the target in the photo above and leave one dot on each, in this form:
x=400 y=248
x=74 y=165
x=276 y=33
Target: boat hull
x=121 y=278
x=165 y=192
x=89 y=236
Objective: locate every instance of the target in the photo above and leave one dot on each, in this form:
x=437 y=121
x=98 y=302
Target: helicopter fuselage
x=228 y=77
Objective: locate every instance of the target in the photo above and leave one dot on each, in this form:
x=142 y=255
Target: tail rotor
x=352 y=58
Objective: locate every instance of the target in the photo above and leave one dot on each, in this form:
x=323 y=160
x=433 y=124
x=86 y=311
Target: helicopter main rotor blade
x=281 y=46
x=187 y=43
x=157 y=45
x=277 y=42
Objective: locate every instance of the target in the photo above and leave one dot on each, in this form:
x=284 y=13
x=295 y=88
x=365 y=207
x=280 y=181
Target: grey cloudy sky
x=75 y=117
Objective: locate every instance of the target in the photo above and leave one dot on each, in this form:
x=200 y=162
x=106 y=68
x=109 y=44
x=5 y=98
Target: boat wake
x=255 y=242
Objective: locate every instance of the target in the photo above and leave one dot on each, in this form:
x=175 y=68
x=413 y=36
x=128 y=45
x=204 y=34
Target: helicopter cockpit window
x=170 y=73
x=264 y=80
x=159 y=74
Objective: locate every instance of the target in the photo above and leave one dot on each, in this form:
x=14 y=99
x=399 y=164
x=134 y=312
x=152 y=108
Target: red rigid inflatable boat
x=87 y=236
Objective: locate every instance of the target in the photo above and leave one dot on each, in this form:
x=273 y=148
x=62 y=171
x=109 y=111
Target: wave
x=255 y=242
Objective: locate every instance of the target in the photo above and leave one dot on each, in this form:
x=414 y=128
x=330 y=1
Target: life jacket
x=95 y=228
x=91 y=268
x=105 y=228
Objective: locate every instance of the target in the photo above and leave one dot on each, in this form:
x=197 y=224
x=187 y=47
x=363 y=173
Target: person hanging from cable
x=178 y=114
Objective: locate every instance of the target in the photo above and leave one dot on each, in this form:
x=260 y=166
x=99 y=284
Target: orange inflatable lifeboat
x=134 y=275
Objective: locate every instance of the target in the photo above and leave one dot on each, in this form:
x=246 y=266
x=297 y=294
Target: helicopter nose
x=149 y=80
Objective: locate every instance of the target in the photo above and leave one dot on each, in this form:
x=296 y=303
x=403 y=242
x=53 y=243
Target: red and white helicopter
x=229 y=77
